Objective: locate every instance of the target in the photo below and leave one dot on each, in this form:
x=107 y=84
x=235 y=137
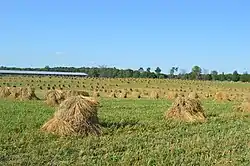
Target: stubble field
x=135 y=131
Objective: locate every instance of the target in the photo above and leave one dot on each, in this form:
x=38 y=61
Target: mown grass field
x=135 y=131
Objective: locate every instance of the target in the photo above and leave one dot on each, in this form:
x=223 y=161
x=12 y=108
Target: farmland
x=135 y=131
x=164 y=87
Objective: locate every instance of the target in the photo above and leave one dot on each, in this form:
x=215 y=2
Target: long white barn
x=44 y=73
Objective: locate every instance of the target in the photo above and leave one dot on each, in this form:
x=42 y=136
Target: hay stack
x=193 y=95
x=96 y=94
x=28 y=94
x=136 y=95
x=154 y=95
x=76 y=115
x=207 y=95
x=4 y=92
x=14 y=93
x=113 y=95
x=71 y=93
x=145 y=93
x=186 y=109
x=54 y=97
x=172 y=95
x=244 y=106
x=123 y=94
x=221 y=96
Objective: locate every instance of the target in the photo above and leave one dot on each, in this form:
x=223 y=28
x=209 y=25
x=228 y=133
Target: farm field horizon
x=132 y=119
x=125 y=83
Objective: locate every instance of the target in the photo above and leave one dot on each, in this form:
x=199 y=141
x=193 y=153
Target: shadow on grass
x=119 y=124
x=128 y=127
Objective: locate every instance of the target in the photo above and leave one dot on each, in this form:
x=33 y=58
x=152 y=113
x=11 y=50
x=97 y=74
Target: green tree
x=47 y=68
x=115 y=72
x=148 y=69
x=94 y=73
x=136 y=74
x=161 y=76
x=214 y=75
x=235 y=76
x=196 y=72
x=158 y=70
x=172 y=71
x=144 y=75
x=176 y=69
x=222 y=76
x=141 y=69
x=245 y=77
x=128 y=73
x=207 y=77
x=152 y=75
x=120 y=74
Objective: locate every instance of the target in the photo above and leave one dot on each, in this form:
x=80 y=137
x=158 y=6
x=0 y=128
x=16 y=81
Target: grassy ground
x=135 y=133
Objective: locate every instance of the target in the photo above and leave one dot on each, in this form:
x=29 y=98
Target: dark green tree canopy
x=196 y=72
x=148 y=69
x=158 y=70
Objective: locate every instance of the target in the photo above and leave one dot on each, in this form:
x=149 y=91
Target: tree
x=47 y=68
x=207 y=77
x=104 y=73
x=222 y=76
x=214 y=72
x=144 y=75
x=141 y=69
x=161 y=76
x=214 y=75
x=115 y=73
x=2 y=67
x=173 y=70
x=136 y=74
x=176 y=69
x=158 y=70
x=152 y=75
x=235 y=76
x=128 y=73
x=94 y=73
x=120 y=74
x=245 y=77
x=196 y=72
x=148 y=69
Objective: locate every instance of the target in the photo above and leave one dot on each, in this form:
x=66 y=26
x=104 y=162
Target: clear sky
x=214 y=34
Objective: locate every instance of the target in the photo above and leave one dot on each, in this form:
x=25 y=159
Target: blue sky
x=126 y=34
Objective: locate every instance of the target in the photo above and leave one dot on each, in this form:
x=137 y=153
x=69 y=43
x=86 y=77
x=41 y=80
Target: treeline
x=195 y=74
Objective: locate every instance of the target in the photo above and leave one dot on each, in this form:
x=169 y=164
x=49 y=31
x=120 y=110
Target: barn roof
x=42 y=73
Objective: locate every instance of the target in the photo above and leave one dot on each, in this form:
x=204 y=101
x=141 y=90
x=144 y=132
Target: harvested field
x=125 y=83
x=109 y=87
x=135 y=130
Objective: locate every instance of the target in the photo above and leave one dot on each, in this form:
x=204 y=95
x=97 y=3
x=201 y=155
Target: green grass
x=135 y=133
